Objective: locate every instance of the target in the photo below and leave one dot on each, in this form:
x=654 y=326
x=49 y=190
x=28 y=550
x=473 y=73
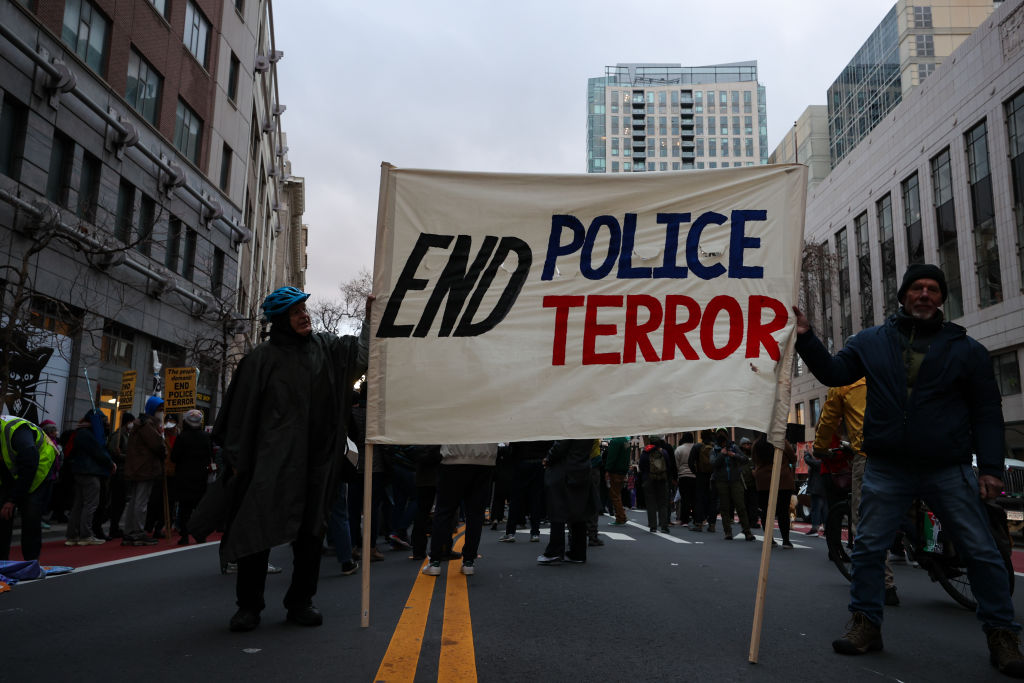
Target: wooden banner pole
x=766 y=554
x=367 y=531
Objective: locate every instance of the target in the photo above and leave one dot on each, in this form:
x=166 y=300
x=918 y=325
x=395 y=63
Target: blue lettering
x=669 y=269
x=587 y=257
x=738 y=242
x=693 y=244
x=555 y=249
x=626 y=268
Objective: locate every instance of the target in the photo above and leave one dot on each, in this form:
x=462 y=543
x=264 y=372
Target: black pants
x=117 y=500
x=252 y=574
x=705 y=505
x=471 y=485
x=421 y=522
x=31 y=508
x=781 y=511
x=687 y=486
x=527 y=496
x=577 y=541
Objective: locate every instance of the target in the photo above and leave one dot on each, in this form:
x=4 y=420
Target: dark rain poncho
x=282 y=430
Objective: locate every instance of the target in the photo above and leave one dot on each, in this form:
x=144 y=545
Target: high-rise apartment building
x=144 y=194
x=806 y=143
x=668 y=117
x=913 y=38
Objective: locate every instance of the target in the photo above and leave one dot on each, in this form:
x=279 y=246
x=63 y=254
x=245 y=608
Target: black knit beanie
x=918 y=271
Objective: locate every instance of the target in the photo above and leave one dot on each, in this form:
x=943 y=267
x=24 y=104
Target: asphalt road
x=644 y=608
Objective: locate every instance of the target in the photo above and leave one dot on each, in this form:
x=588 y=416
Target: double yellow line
x=458 y=656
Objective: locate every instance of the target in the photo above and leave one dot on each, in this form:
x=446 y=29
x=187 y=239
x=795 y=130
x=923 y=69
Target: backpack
x=700 y=459
x=659 y=469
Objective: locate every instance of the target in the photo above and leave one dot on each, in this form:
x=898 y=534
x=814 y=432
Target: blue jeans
x=952 y=494
x=337 y=525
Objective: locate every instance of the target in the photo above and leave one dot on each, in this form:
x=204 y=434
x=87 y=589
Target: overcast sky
x=488 y=86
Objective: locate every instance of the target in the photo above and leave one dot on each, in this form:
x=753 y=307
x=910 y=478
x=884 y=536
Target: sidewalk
x=54 y=551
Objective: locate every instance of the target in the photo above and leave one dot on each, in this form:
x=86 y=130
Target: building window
x=888 y=248
x=675 y=165
x=912 y=219
x=85 y=32
x=147 y=218
x=925 y=46
x=13 y=125
x=188 y=263
x=712 y=147
x=143 y=87
x=614 y=101
x=924 y=71
x=798 y=414
x=125 y=212
x=58 y=178
x=615 y=167
x=723 y=124
x=748 y=147
x=626 y=166
x=197 y=32
x=675 y=147
x=747 y=107
x=118 y=344
x=815 y=410
x=979 y=179
x=188 y=132
x=89 y=187
x=945 y=223
x=699 y=129
x=217 y=273
x=663 y=166
x=1015 y=133
x=662 y=124
x=173 y=246
x=699 y=147
x=615 y=125
x=723 y=100
x=615 y=147
x=845 y=300
x=711 y=104
x=225 y=166
x=675 y=125
x=698 y=102
x=240 y=6
x=1007 y=372
x=923 y=17
x=161 y=7
x=725 y=146
x=46 y=314
x=735 y=101
x=864 y=276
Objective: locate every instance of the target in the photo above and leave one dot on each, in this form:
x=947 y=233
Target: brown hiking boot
x=1004 y=652
x=862 y=635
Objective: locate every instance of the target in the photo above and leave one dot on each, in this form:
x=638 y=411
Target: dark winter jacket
x=571 y=494
x=954 y=409
x=192 y=455
x=89 y=456
x=282 y=429
x=617 y=457
x=147 y=451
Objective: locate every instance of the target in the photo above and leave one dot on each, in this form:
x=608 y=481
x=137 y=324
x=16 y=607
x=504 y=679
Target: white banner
x=516 y=307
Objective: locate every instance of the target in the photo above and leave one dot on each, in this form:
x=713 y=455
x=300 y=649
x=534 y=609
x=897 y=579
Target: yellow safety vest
x=47 y=453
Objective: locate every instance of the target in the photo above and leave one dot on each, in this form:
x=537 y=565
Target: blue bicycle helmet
x=281 y=299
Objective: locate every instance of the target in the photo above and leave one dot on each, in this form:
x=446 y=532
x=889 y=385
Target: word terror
x=655 y=330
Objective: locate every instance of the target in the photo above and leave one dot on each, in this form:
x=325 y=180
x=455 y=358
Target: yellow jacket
x=843 y=404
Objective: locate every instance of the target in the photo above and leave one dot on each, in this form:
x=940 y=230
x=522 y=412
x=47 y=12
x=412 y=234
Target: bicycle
x=937 y=555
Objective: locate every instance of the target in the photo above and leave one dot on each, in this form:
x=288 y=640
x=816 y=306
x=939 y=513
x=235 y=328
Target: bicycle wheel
x=837 y=536
x=954 y=581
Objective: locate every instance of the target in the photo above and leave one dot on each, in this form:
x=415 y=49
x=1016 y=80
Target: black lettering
x=407 y=282
x=455 y=283
x=468 y=328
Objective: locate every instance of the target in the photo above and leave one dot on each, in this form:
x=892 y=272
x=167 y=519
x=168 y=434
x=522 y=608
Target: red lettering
x=561 y=304
x=731 y=308
x=674 y=334
x=760 y=334
x=591 y=330
x=636 y=334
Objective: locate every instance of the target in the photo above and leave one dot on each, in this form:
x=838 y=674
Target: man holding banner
x=282 y=429
x=932 y=399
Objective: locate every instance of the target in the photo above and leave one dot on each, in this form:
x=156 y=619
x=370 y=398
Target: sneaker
x=572 y=560
x=654 y=530
x=44 y=525
x=1004 y=652
x=749 y=536
x=891 y=597
x=399 y=542
x=863 y=635
x=271 y=569
x=507 y=538
x=376 y=555
x=665 y=530
x=467 y=567
x=433 y=568
x=787 y=544
x=813 y=531
x=92 y=540
x=349 y=568
x=229 y=568
x=544 y=559
x=534 y=538
x=71 y=541
x=617 y=523
x=595 y=541
x=245 y=620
